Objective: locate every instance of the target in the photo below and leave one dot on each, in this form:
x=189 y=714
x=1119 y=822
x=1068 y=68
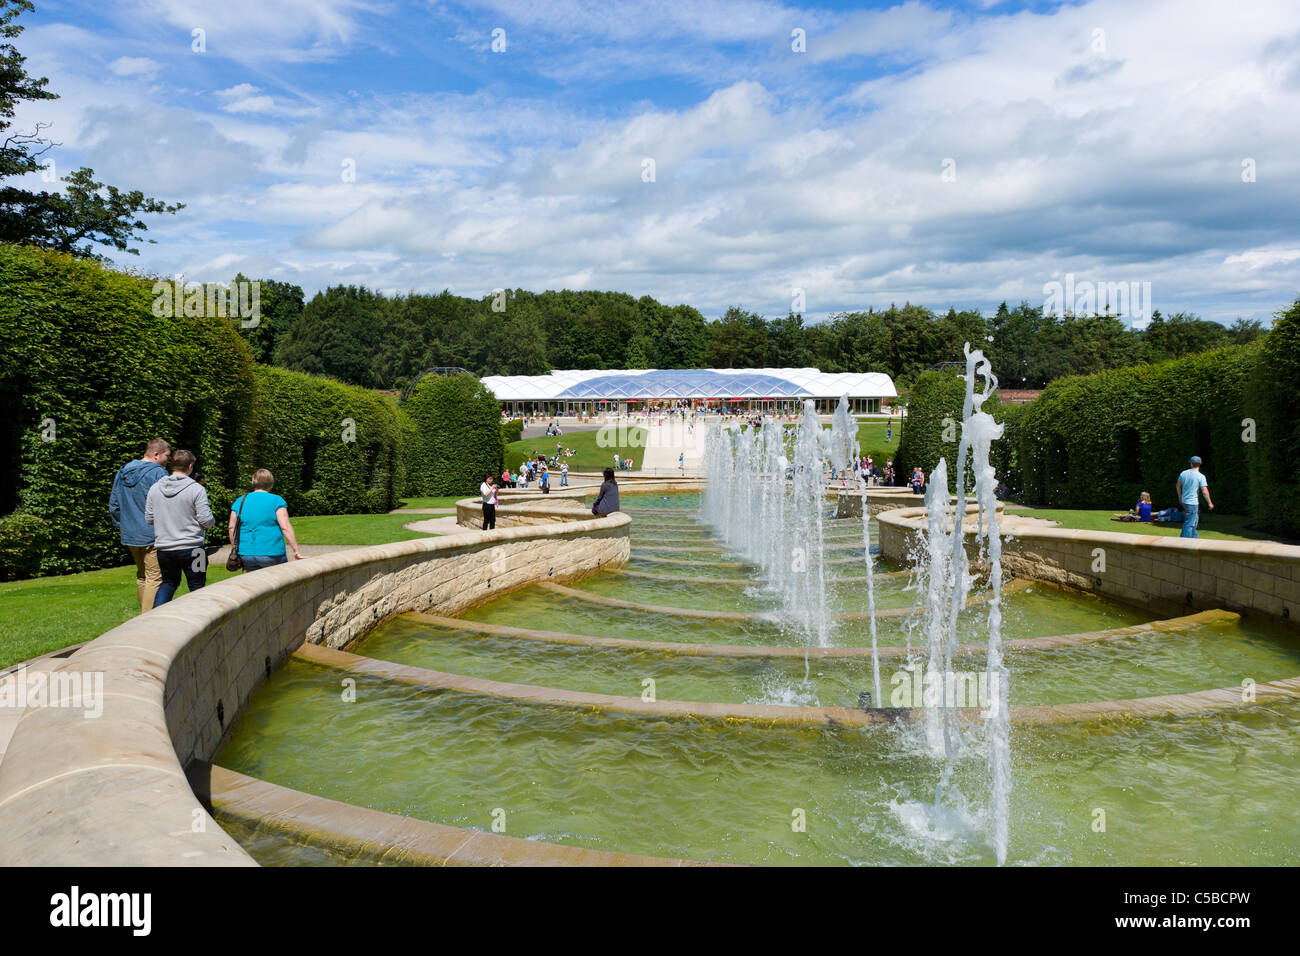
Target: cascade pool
x=1208 y=787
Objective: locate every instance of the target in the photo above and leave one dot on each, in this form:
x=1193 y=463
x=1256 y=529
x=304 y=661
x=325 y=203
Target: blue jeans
x=564 y=479
x=1190 y=514
x=192 y=562
x=255 y=562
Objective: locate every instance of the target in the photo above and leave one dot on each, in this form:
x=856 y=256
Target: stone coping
x=749 y=582
x=780 y=715
x=770 y=714
x=530 y=506
x=764 y=651
x=675 y=549
x=1163 y=574
x=376 y=837
x=1012 y=587
x=113 y=791
x=655 y=559
x=1200 y=547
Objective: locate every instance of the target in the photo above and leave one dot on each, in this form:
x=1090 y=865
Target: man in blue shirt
x=1188 y=484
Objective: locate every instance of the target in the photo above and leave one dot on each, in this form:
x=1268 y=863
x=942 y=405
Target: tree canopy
x=86 y=213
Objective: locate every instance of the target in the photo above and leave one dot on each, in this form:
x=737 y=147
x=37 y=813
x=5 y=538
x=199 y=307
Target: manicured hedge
x=1098 y=441
x=86 y=363
x=512 y=430
x=333 y=448
x=458 y=435
x=934 y=397
x=1273 y=400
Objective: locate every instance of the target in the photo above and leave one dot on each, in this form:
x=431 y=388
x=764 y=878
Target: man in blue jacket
x=126 y=506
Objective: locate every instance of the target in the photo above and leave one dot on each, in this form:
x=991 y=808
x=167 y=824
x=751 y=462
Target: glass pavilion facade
x=769 y=390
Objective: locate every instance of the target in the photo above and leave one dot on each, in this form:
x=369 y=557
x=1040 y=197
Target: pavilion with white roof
x=592 y=391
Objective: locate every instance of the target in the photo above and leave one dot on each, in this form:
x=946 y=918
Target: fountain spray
x=948 y=587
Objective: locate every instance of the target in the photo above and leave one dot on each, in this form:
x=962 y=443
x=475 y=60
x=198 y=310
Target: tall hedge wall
x=1098 y=441
x=333 y=448
x=87 y=376
x=934 y=397
x=457 y=435
x=1273 y=400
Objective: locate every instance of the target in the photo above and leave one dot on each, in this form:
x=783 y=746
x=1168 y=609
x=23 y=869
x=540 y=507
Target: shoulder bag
x=234 y=562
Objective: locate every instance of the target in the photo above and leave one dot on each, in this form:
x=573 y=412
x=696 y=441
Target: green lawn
x=444 y=502
x=1221 y=527
x=589 y=454
x=357 y=529
x=871 y=439
x=45 y=614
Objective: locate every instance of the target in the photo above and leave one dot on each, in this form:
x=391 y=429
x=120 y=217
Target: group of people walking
x=162 y=518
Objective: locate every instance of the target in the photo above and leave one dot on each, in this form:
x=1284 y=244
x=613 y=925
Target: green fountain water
x=1206 y=788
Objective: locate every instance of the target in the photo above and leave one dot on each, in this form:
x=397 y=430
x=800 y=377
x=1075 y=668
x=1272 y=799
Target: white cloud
x=134 y=66
x=1118 y=165
x=1263 y=258
x=911 y=29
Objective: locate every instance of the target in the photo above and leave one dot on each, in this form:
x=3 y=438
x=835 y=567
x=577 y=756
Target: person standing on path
x=489 y=492
x=178 y=509
x=126 y=504
x=1188 y=484
x=564 y=474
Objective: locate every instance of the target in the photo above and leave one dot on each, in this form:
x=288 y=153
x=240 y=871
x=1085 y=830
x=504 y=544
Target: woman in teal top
x=263 y=522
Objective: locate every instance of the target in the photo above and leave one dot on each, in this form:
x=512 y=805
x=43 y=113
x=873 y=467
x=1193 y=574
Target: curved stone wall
x=1165 y=575
x=532 y=507
x=111 y=789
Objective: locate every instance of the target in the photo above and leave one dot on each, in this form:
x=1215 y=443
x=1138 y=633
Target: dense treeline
x=368 y=339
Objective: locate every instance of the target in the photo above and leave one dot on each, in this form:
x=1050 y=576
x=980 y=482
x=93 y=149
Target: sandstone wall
x=1164 y=575
x=111 y=790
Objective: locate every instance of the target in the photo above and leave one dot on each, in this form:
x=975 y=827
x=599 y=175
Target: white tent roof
x=613 y=384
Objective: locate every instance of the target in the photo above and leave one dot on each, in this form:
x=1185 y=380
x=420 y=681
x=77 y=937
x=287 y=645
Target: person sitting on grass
x=1141 y=511
x=1168 y=516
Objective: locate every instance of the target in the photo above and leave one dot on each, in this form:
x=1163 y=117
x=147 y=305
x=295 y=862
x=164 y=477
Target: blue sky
x=947 y=154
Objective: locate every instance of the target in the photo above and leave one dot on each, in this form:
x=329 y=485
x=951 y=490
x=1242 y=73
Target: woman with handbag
x=259 y=527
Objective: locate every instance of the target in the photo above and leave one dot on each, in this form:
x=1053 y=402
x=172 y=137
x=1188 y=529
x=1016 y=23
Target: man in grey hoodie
x=126 y=503
x=178 y=509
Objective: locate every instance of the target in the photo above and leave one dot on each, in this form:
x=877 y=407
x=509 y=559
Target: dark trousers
x=489 y=516
x=173 y=564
